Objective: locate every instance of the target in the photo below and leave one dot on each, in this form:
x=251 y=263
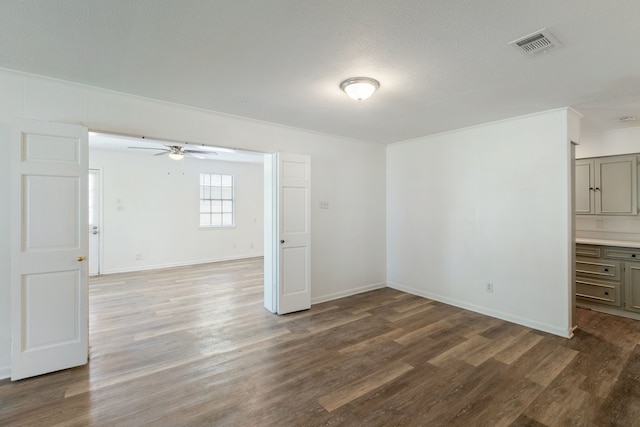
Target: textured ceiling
x=442 y=64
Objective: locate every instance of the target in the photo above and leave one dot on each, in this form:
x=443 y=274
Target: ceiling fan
x=178 y=152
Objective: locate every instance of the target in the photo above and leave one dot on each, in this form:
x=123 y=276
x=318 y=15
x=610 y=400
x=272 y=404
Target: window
x=216 y=200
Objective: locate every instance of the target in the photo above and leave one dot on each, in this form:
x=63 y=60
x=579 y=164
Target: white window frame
x=218 y=198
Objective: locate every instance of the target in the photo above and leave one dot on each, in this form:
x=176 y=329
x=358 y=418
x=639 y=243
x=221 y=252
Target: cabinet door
x=632 y=286
x=584 y=195
x=616 y=186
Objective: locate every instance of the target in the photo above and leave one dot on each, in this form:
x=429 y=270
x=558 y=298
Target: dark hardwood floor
x=194 y=346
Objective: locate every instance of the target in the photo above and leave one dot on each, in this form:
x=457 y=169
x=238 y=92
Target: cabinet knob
x=606 y=293
x=591 y=188
x=633 y=255
x=606 y=269
x=597 y=188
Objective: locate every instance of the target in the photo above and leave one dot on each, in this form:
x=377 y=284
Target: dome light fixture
x=359 y=88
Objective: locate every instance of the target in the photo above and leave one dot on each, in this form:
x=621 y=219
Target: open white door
x=294 y=231
x=49 y=298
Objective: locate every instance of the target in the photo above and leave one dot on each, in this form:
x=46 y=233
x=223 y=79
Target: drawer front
x=628 y=254
x=588 y=250
x=603 y=269
x=598 y=292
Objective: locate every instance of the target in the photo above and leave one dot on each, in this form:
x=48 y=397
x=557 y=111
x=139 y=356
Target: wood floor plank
x=364 y=385
x=461 y=350
x=408 y=313
x=376 y=341
x=516 y=349
x=424 y=331
x=338 y=322
x=552 y=365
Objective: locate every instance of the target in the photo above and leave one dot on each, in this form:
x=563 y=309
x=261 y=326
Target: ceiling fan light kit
x=359 y=88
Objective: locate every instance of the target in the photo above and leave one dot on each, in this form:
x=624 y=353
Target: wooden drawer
x=600 y=292
x=598 y=268
x=588 y=250
x=628 y=254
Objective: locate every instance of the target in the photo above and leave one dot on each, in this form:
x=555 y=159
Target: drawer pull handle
x=606 y=293
x=633 y=255
x=606 y=269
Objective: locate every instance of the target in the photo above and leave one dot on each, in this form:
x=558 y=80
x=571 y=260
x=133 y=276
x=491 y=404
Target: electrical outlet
x=139 y=257
x=489 y=287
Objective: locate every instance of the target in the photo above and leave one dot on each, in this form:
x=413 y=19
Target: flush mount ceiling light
x=359 y=88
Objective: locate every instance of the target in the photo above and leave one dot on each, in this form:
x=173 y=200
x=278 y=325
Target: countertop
x=619 y=243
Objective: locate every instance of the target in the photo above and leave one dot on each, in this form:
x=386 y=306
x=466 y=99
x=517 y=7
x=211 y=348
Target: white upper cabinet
x=607 y=186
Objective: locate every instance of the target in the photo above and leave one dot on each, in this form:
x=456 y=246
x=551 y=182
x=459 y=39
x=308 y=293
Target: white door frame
x=271 y=257
x=99 y=224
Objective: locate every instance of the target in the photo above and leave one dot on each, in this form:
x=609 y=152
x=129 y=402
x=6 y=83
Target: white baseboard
x=5 y=372
x=178 y=264
x=534 y=324
x=348 y=293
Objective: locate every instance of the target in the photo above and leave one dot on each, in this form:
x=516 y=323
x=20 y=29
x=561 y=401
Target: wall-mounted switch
x=324 y=204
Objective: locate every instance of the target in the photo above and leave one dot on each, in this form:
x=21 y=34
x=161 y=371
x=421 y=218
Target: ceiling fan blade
x=200 y=152
x=163 y=153
x=195 y=155
x=148 y=148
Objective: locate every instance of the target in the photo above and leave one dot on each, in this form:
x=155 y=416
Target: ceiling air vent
x=539 y=42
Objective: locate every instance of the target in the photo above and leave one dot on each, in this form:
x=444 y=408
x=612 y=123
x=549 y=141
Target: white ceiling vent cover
x=541 y=41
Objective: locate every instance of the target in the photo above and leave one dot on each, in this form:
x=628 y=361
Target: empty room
x=319 y=213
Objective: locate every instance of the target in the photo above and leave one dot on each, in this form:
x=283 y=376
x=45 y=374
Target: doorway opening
x=147 y=205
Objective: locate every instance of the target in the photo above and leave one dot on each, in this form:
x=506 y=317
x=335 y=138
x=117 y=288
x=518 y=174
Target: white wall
x=151 y=208
x=486 y=204
x=615 y=228
x=348 y=240
x=619 y=141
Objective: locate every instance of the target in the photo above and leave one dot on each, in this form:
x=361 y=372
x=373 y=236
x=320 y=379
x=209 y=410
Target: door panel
x=46 y=223
x=52 y=300
x=294 y=274
x=294 y=214
x=294 y=200
x=49 y=244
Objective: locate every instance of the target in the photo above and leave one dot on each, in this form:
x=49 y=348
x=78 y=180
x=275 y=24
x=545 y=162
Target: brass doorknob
x=80 y=258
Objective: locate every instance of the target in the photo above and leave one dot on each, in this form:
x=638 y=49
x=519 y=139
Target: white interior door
x=94 y=222
x=294 y=231
x=49 y=299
